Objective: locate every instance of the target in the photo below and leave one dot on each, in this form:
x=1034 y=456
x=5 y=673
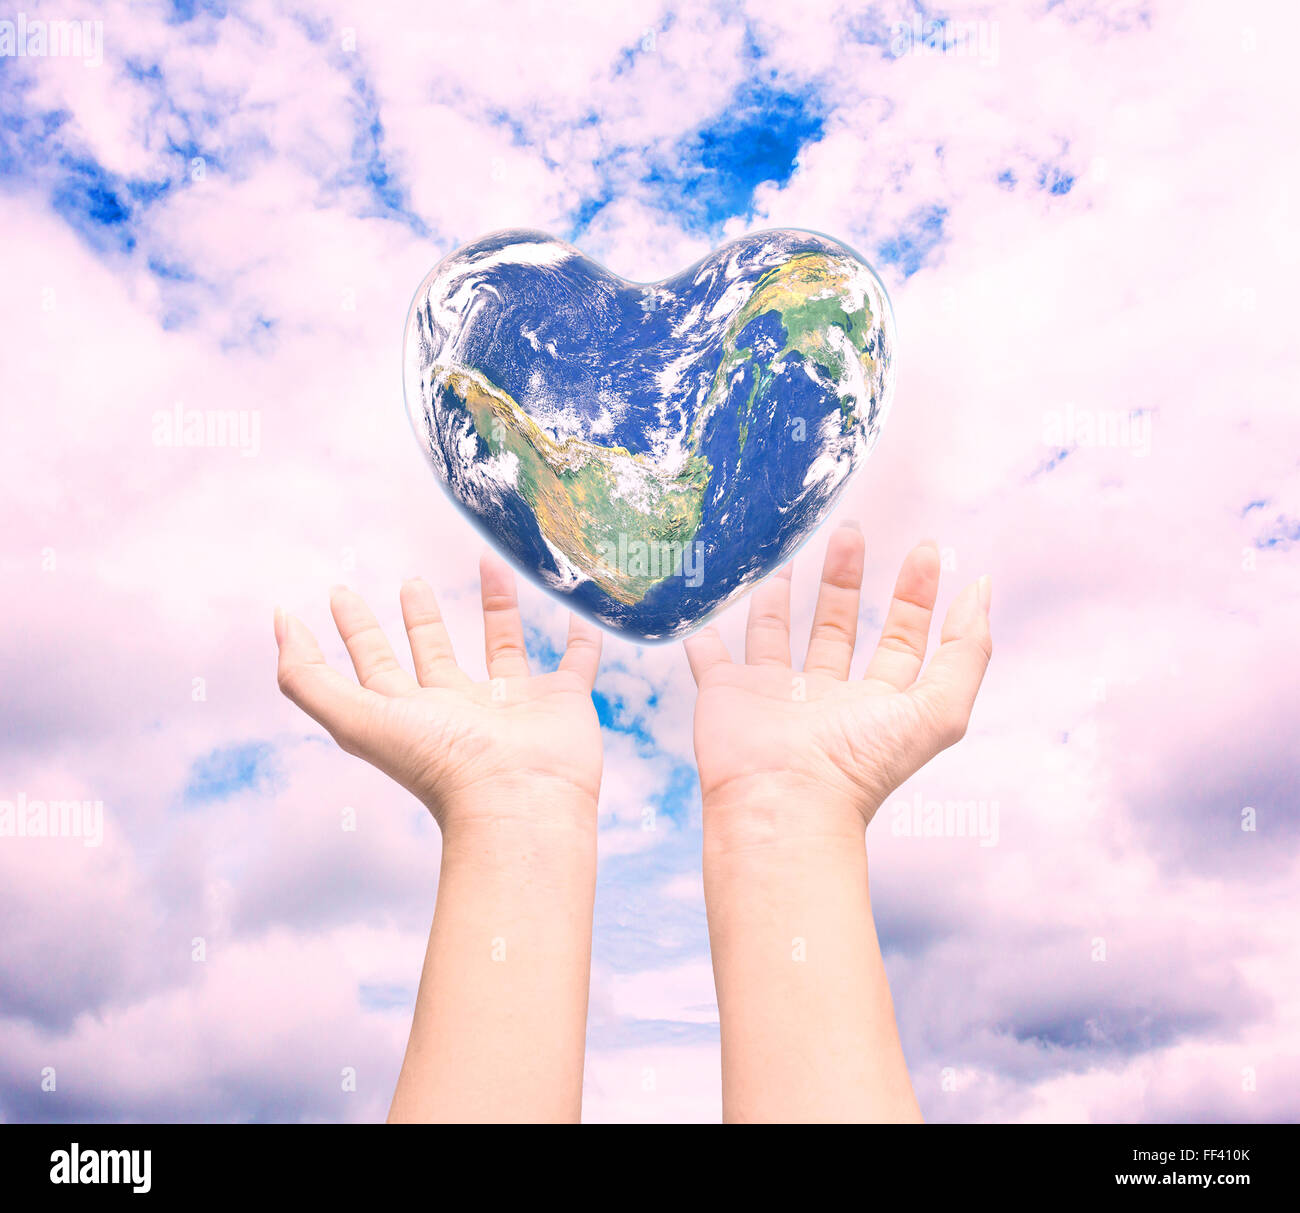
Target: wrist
x=742 y=819
x=530 y=800
x=551 y=857
x=540 y=820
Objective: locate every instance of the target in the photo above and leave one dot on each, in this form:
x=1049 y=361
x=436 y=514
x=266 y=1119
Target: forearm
x=500 y=1017
x=808 y=1031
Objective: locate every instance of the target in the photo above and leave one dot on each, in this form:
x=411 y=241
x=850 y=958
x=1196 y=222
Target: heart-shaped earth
x=649 y=451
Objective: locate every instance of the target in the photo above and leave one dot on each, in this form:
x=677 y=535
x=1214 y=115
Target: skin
x=510 y=769
x=793 y=765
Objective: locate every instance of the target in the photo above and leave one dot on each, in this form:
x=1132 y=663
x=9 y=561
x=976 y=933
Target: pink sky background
x=1145 y=593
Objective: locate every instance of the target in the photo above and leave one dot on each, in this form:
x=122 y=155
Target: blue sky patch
x=1055 y=180
x=184 y=11
x=616 y=716
x=713 y=171
x=95 y=203
x=1281 y=534
x=919 y=236
x=1052 y=462
x=370 y=168
x=231 y=769
x=377 y=997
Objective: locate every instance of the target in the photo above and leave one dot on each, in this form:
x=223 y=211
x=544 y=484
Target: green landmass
x=603 y=505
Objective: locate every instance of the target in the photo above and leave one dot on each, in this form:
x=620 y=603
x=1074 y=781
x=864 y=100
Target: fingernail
x=279 y=625
x=851 y=524
x=986 y=592
x=339 y=588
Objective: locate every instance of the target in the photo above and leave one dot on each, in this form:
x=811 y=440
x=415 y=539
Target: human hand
x=520 y=743
x=511 y=770
x=783 y=751
x=792 y=767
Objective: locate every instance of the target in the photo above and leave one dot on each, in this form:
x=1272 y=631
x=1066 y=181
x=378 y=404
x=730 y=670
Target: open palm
x=462 y=747
x=764 y=728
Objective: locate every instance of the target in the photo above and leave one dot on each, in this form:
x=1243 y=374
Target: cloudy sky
x=1089 y=232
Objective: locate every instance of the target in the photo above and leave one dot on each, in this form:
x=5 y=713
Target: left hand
x=517 y=746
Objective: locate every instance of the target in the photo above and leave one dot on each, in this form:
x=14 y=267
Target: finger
x=372 y=656
x=323 y=693
x=435 y=662
x=767 y=638
x=503 y=626
x=704 y=651
x=582 y=653
x=947 y=688
x=901 y=649
x=835 y=621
